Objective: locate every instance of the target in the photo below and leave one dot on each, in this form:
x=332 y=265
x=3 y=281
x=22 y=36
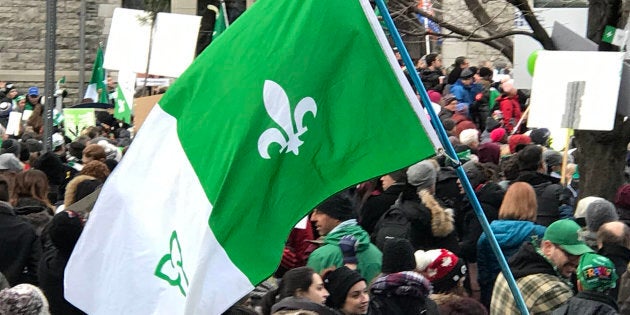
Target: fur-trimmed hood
x=441 y=219
x=71 y=189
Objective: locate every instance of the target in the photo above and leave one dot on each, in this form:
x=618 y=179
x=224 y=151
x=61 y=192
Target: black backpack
x=394 y=223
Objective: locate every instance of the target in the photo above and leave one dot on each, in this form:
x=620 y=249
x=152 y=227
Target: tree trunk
x=602 y=155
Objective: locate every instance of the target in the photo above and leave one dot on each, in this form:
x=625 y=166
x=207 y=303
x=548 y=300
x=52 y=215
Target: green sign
x=76 y=120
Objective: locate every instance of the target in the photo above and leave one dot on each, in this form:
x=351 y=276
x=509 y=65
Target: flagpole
x=450 y=151
x=227 y=22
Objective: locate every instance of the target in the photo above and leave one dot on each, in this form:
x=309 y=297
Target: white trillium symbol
x=278 y=107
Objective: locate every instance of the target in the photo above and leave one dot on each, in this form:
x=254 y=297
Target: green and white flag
x=221 y=21
x=97 y=90
x=613 y=36
x=122 y=110
x=236 y=152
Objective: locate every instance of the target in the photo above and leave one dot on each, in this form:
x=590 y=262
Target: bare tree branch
x=540 y=34
x=486 y=21
x=469 y=36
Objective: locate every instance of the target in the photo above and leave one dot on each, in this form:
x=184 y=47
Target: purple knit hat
x=489 y=152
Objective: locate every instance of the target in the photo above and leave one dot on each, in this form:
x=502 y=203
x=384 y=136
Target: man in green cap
x=596 y=275
x=542 y=271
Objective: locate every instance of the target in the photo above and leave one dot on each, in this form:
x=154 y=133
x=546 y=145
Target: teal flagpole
x=450 y=151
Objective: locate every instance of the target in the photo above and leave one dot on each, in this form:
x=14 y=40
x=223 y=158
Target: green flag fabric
x=97 y=90
x=198 y=211
x=122 y=110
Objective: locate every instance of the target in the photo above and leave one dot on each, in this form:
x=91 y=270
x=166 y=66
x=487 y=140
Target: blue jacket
x=465 y=94
x=510 y=235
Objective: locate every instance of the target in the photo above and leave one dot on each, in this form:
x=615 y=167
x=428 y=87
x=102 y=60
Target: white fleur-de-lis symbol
x=278 y=107
x=121 y=106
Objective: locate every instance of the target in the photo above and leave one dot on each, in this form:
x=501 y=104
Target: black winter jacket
x=20 y=250
x=588 y=303
x=549 y=195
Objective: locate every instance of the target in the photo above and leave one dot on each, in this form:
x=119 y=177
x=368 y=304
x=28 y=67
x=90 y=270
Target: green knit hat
x=596 y=273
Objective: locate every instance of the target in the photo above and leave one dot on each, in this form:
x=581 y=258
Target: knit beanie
x=398 y=256
x=516 y=141
x=489 y=152
x=599 y=212
x=65 y=229
x=339 y=206
x=580 y=209
x=622 y=197
x=23 y=299
x=338 y=282
x=422 y=174
x=497 y=134
x=443 y=268
x=434 y=96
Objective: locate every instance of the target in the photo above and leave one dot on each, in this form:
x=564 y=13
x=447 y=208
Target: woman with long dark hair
x=300 y=289
x=30 y=198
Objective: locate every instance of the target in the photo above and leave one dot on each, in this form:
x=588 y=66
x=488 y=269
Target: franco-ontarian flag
x=97 y=90
x=238 y=151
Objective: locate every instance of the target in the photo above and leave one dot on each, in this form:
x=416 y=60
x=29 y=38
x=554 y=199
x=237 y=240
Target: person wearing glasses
x=542 y=271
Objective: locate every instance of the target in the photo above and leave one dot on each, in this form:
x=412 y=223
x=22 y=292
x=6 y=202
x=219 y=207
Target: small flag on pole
x=221 y=22
x=191 y=220
x=613 y=36
x=97 y=90
x=122 y=110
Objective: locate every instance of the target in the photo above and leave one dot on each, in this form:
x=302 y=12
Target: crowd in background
x=408 y=242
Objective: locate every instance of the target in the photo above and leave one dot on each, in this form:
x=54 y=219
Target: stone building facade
x=23 y=34
x=23 y=37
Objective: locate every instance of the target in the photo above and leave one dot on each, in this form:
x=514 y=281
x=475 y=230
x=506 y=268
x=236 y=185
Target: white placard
x=174 y=43
x=13 y=126
x=26 y=114
x=173 y=46
x=556 y=69
x=128 y=42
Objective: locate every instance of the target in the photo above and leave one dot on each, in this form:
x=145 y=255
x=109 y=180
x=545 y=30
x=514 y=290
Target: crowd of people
x=408 y=242
x=45 y=199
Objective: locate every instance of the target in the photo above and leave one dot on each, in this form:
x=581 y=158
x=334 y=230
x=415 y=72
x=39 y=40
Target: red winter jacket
x=511 y=109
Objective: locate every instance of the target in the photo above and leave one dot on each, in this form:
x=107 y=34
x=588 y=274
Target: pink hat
x=497 y=134
x=434 y=96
